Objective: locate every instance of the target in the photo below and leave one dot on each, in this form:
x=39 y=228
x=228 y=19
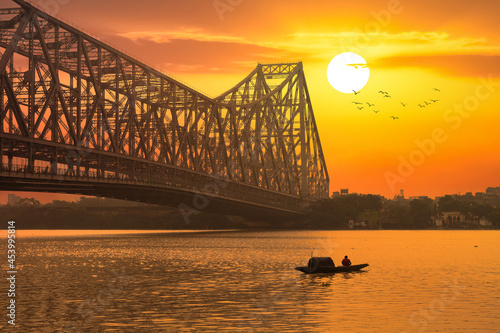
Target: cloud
x=412 y=36
x=191 y=50
x=201 y=55
x=187 y=34
x=450 y=65
x=439 y=51
x=400 y=43
x=358 y=65
x=195 y=50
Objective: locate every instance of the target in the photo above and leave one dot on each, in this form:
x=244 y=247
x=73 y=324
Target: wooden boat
x=326 y=265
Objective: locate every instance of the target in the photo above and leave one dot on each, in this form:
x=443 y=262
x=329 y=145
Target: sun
x=348 y=72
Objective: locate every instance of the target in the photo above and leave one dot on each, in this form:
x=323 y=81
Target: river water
x=244 y=281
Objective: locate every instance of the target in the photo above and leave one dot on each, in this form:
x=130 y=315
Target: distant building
x=450 y=219
x=490 y=197
x=344 y=191
x=480 y=195
x=493 y=191
x=371 y=218
x=357 y=224
x=379 y=196
x=485 y=223
x=336 y=194
x=400 y=196
x=419 y=197
x=12 y=199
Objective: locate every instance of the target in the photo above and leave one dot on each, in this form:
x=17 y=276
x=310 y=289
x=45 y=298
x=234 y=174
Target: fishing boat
x=326 y=265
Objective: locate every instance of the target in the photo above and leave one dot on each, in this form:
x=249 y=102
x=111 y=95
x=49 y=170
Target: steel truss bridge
x=78 y=116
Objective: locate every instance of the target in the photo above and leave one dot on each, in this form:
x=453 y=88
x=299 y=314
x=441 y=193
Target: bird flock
x=385 y=94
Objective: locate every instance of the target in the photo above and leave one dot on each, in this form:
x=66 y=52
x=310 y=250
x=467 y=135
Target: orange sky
x=410 y=47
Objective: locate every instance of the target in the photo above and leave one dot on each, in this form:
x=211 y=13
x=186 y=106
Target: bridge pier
x=78 y=164
x=9 y=163
x=53 y=162
x=31 y=167
x=117 y=168
x=99 y=171
x=1 y=152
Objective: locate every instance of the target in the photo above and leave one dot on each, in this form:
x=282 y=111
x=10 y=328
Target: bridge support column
x=31 y=167
x=53 y=162
x=99 y=167
x=78 y=164
x=10 y=157
x=117 y=168
x=304 y=186
x=1 y=154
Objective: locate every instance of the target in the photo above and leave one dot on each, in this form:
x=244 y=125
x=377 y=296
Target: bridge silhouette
x=79 y=116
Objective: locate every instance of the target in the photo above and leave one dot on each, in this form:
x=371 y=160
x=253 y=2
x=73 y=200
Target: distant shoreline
x=68 y=232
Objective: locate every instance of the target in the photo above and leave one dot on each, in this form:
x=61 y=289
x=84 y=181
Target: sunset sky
x=410 y=47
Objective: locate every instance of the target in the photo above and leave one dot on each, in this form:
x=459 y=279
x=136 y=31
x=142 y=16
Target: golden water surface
x=241 y=281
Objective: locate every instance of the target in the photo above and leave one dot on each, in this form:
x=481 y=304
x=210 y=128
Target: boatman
x=346 y=262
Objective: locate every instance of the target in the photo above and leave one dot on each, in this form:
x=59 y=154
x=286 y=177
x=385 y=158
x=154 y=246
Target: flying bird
x=380 y=91
x=387 y=96
x=426 y=103
x=360 y=108
x=403 y=104
x=394 y=117
x=435 y=100
x=437 y=89
x=376 y=111
x=422 y=106
x=355 y=92
x=357 y=103
x=370 y=105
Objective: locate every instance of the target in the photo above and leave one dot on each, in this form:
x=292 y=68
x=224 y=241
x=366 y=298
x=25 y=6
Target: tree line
x=331 y=213
x=335 y=212
x=104 y=213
